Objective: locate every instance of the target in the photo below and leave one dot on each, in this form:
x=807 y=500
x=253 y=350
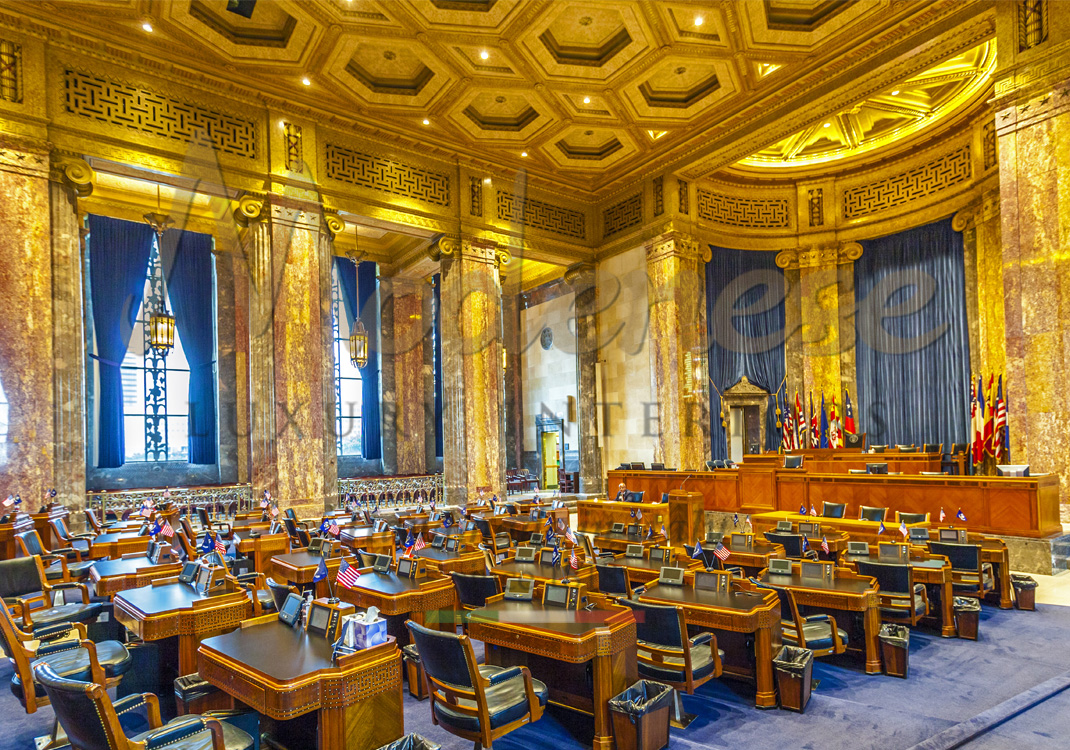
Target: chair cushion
x=267 y=601
x=77 y=612
x=672 y=669
x=818 y=635
x=188 y=737
x=506 y=702
x=73 y=664
x=190 y=687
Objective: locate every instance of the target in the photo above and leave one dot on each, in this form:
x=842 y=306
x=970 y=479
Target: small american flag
x=813 y=510
x=219 y=546
x=419 y=543
x=573 y=561
x=347 y=575
x=825 y=545
x=639 y=514
x=274 y=511
x=333 y=528
x=569 y=535
x=721 y=552
x=960 y=515
x=166 y=529
x=561 y=524
x=942 y=515
x=903 y=529
x=263 y=502
x=9 y=501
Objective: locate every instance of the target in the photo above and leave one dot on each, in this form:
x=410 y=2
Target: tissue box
x=368 y=634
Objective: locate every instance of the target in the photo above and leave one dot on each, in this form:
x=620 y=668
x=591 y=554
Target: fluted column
x=403 y=301
x=473 y=388
x=678 y=349
x=581 y=277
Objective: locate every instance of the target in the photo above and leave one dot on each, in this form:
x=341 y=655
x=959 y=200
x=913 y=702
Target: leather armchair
x=909 y=518
x=613 y=582
x=93 y=722
x=667 y=654
x=261 y=595
x=833 y=510
x=61 y=564
x=594 y=553
x=901 y=599
x=80 y=542
x=969 y=576
x=25 y=588
x=818 y=633
x=872 y=513
x=480 y=705
x=792 y=544
x=472 y=590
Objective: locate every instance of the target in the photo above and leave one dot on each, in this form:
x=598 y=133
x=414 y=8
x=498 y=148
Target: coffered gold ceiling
x=586 y=94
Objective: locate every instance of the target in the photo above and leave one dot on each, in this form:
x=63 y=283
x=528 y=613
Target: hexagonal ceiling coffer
x=591 y=147
x=500 y=112
x=271 y=27
x=591 y=40
x=468 y=6
x=385 y=69
x=802 y=15
x=680 y=86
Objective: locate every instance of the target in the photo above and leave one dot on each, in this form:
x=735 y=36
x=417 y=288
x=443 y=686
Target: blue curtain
x=187 y=264
x=438 y=363
x=118 y=262
x=745 y=332
x=911 y=337
x=359 y=287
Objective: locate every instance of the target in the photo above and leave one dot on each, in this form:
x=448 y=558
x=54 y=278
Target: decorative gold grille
x=121 y=104
x=659 y=196
x=757 y=213
x=685 y=200
x=938 y=174
x=988 y=141
x=295 y=161
x=815 y=199
x=621 y=216
x=475 y=184
x=10 y=71
x=1032 y=23
x=539 y=215
x=355 y=168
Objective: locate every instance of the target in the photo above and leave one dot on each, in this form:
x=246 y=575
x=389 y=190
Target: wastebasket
x=895 y=649
x=1025 y=591
x=414 y=672
x=967 y=616
x=411 y=742
x=794 y=669
x=640 y=716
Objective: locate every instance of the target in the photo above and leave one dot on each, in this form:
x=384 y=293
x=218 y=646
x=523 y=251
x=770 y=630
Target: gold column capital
x=334 y=223
x=581 y=275
x=815 y=256
x=75 y=173
x=249 y=210
x=674 y=243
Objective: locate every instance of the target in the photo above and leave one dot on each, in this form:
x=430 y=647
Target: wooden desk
x=154 y=613
x=542 y=573
x=734 y=614
x=613 y=542
x=993 y=551
x=112 y=576
x=299 y=568
x=643 y=571
x=841 y=461
x=363 y=538
x=42 y=522
x=284 y=674
x=427 y=601
x=593 y=516
x=848 y=592
x=858 y=530
x=117 y=544
x=441 y=561
x=585 y=658
x=522 y=527
x=263 y=547
x=934 y=572
x=756 y=559
x=20 y=522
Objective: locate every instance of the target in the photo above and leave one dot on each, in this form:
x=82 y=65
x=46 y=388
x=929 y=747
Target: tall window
x=348 y=388
x=155 y=388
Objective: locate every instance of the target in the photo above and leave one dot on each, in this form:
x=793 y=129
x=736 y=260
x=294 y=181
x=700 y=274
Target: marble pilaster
x=427 y=386
x=582 y=278
x=678 y=344
x=473 y=384
x=980 y=226
x=514 y=391
x=387 y=377
x=409 y=331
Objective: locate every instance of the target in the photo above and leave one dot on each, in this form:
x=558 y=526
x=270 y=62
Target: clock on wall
x=546 y=338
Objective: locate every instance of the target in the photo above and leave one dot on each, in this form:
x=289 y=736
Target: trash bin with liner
x=640 y=716
x=895 y=649
x=411 y=742
x=794 y=670
x=967 y=616
x=1025 y=591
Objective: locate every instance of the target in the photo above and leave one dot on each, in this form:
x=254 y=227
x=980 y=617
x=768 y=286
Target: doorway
x=550 y=459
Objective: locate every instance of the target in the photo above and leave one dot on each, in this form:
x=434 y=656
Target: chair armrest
x=736 y=571
x=247 y=577
x=638 y=590
x=183 y=728
x=701 y=638
x=816 y=618
x=59 y=629
x=70 y=585
x=509 y=674
x=144 y=705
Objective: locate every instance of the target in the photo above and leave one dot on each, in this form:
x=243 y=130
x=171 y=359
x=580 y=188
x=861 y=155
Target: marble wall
x=549 y=374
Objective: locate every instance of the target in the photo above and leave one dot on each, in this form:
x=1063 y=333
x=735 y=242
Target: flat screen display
x=546 y=557
x=919 y=535
x=439 y=541
x=634 y=551
x=783 y=525
x=780 y=567
x=451 y=545
x=382 y=563
x=189 y=572
x=708 y=581
x=672 y=576
x=809 y=529
x=857 y=548
x=519 y=588
x=811 y=570
x=318 y=617
x=892 y=553
x=525 y=554
x=633 y=529
x=877 y=468
x=952 y=535
x=741 y=542
x=405 y=567
x=618 y=528
x=203 y=576
x=291 y=608
x=536 y=538
x=555 y=596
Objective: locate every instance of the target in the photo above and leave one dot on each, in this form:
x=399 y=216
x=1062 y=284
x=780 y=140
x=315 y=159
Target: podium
x=687 y=519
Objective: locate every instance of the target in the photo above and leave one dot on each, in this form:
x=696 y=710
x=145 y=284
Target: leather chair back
x=932 y=448
x=957 y=448
x=59 y=525
x=442 y=655
x=891 y=577
x=20 y=576
x=472 y=590
x=76 y=710
x=909 y=518
x=202 y=514
x=484 y=528
x=878 y=448
x=612 y=579
x=907 y=448
x=93 y=522
x=872 y=513
x=279 y=592
x=31 y=543
x=657 y=624
x=961 y=556
x=636 y=497
x=833 y=510
x=792 y=543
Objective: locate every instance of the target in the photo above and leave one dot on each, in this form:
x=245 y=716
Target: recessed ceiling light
x=426 y=121
x=307 y=81
x=282 y=124
x=586 y=100
x=486 y=180
x=828 y=124
x=484 y=55
x=147 y=26
x=698 y=20
x=895 y=93
x=523 y=153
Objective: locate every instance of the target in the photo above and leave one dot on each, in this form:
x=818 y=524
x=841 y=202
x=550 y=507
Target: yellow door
x=549 y=460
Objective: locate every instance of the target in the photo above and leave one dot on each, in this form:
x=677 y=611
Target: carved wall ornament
x=818 y=256
x=335 y=224
x=737 y=211
x=249 y=210
x=537 y=214
x=914 y=184
x=386 y=175
x=77 y=174
x=624 y=215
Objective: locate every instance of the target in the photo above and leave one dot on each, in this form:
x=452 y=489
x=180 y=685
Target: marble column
x=1033 y=129
x=514 y=390
x=71 y=178
x=386 y=376
x=406 y=303
x=427 y=386
x=27 y=458
x=980 y=226
x=582 y=278
x=290 y=354
x=678 y=350
x=473 y=384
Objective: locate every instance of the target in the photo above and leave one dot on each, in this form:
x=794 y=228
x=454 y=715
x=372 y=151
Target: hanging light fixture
x=358 y=336
x=161 y=322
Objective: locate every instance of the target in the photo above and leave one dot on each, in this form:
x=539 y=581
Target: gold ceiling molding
x=820 y=255
x=901 y=111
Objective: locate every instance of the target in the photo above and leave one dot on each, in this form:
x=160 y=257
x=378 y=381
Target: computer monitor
x=511 y=510
x=671 y=576
x=500 y=511
x=560 y=595
x=955 y=536
x=520 y=589
x=634 y=529
x=381 y=564
x=809 y=529
x=291 y=609
x=618 y=528
x=809 y=569
x=189 y=572
x=318 y=619
x=663 y=555
x=857 y=548
x=634 y=551
x=780 y=567
x=438 y=541
x=918 y=535
x=204 y=575
x=536 y=539
x=405 y=567
x=742 y=542
x=525 y=555
x=546 y=557
x=151 y=549
x=1015 y=470
x=784 y=526
x=451 y=544
x=889 y=552
x=877 y=468
x=793 y=462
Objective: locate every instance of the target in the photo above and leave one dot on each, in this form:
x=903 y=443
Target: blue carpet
x=1002 y=691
